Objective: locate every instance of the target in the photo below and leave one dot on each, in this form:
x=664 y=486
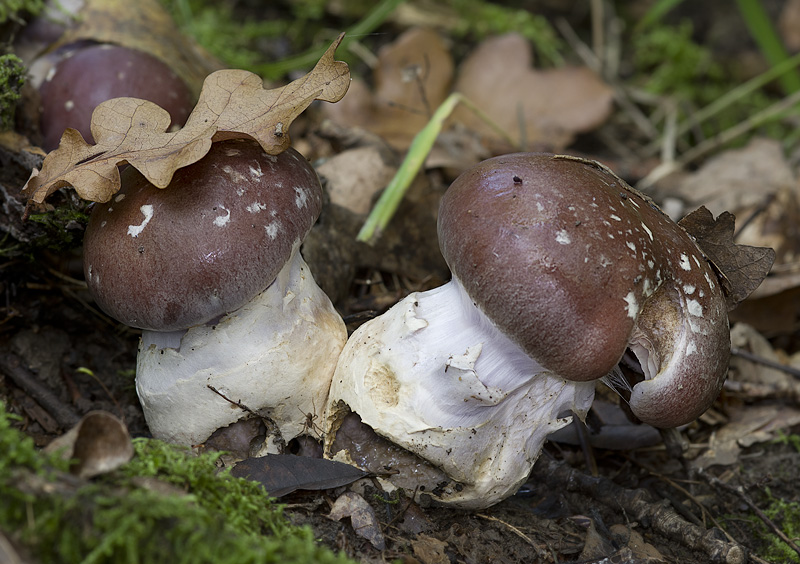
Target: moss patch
x=166 y=505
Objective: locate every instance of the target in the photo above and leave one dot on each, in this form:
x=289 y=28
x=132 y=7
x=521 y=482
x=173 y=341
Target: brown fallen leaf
x=98 y=444
x=742 y=268
x=537 y=108
x=412 y=78
x=362 y=517
x=233 y=104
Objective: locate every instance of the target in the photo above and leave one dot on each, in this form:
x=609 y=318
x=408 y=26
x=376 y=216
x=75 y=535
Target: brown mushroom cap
x=96 y=73
x=218 y=235
x=574 y=266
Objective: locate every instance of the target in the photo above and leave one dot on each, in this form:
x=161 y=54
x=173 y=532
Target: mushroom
x=84 y=75
x=558 y=267
x=210 y=269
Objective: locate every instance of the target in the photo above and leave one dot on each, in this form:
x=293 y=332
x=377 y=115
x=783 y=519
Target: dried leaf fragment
x=362 y=517
x=99 y=443
x=742 y=267
x=537 y=108
x=233 y=104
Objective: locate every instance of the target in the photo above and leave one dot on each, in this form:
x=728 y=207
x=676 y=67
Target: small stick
x=740 y=493
x=237 y=403
x=11 y=365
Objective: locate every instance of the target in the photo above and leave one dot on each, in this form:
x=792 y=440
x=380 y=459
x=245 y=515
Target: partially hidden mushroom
x=558 y=267
x=210 y=269
x=83 y=75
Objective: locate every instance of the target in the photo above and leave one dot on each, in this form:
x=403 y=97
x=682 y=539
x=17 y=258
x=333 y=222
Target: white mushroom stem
x=275 y=355
x=435 y=376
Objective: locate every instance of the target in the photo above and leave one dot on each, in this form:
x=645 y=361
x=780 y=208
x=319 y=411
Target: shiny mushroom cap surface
x=218 y=235
x=576 y=267
x=92 y=74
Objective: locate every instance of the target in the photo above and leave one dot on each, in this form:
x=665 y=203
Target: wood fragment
x=11 y=366
x=640 y=506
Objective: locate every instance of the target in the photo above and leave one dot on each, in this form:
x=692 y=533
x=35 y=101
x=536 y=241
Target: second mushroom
x=558 y=268
x=210 y=269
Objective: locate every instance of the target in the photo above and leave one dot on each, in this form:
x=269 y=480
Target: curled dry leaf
x=362 y=517
x=98 y=444
x=537 y=108
x=742 y=268
x=233 y=104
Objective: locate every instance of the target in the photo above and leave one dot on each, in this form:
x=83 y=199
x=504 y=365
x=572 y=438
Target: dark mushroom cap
x=93 y=74
x=204 y=246
x=575 y=266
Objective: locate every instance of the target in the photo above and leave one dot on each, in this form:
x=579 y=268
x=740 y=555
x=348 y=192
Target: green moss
x=12 y=77
x=669 y=62
x=786 y=515
x=206 y=516
x=64 y=226
x=10 y=9
x=480 y=19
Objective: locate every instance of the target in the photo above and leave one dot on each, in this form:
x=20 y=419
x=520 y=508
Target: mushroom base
x=434 y=376
x=275 y=355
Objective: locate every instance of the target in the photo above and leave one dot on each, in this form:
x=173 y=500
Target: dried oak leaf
x=741 y=268
x=233 y=104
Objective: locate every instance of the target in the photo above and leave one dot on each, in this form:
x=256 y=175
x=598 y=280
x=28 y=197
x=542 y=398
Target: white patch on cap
x=604 y=261
x=69 y=105
x=234 y=175
x=616 y=217
x=255 y=171
x=649 y=233
x=710 y=283
x=232 y=152
x=647 y=287
x=300 y=197
x=633 y=305
x=119 y=197
x=273 y=229
x=694 y=308
x=691 y=348
x=147 y=211
x=563 y=237
x=696 y=261
x=688 y=289
x=685 y=264
x=631 y=246
x=256 y=207
x=539 y=206
x=222 y=220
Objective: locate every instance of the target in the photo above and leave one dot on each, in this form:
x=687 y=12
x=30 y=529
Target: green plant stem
x=417 y=153
x=372 y=20
x=730 y=98
x=768 y=40
x=420 y=147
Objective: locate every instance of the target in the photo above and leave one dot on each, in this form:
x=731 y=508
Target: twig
x=640 y=505
x=237 y=403
x=736 y=351
x=12 y=367
x=516 y=531
x=740 y=493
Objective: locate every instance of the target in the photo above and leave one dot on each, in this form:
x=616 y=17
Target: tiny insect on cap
x=204 y=246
